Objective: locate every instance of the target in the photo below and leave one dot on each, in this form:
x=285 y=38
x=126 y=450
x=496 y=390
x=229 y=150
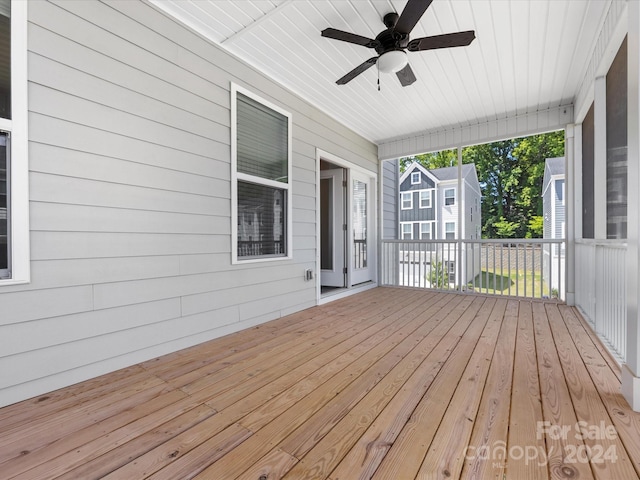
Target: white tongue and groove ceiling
x=528 y=56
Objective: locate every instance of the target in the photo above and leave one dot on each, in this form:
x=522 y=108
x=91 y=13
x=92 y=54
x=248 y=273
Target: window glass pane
x=261 y=225
x=449 y=196
x=359 y=224
x=262 y=144
x=425 y=198
x=450 y=230
x=616 y=105
x=4 y=205
x=407 y=200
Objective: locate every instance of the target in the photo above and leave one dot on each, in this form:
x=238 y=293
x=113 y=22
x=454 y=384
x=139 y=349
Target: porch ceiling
x=528 y=56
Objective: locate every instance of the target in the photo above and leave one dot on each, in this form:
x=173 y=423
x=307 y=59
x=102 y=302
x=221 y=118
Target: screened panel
x=588 y=206
x=4 y=207
x=616 y=105
x=261 y=220
x=5 y=59
x=262 y=140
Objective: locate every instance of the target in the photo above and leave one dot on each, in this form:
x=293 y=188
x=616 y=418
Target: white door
x=361 y=235
x=332 y=228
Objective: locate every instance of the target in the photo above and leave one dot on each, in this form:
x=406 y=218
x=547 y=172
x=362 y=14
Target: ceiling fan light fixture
x=392 y=61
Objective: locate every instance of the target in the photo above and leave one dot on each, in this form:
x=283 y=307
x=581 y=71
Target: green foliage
x=445 y=158
x=438 y=276
x=536 y=226
x=510 y=173
x=506 y=229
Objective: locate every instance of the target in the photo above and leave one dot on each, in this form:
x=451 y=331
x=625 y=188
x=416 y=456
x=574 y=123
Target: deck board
x=392 y=383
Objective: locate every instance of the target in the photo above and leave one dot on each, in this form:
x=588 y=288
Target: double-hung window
x=425 y=199
x=450 y=196
x=425 y=231
x=450 y=231
x=14 y=170
x=406 y=199
x=407 y=231
x=261 y=179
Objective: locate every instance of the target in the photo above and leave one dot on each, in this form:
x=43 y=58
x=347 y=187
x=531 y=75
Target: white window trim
x=402 y=224
x=431 y=223
x=429 y=196
x=413 y=182
x=18 y=150
x=235 y=176
x=444 y=196
x=410 y=194
x=455 y=231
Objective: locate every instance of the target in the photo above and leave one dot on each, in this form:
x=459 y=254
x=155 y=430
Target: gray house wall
x=390 y=177
x=129 y=118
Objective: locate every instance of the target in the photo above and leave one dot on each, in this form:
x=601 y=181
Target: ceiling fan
x=391 y=43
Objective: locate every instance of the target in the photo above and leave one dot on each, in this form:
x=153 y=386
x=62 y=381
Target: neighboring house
x=553 y=200
x=429 y=205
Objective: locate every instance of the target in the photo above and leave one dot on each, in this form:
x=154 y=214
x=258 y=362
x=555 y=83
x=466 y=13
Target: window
x=560 y=191
x=425 y=231
x=588 y=176
x=407 y=231
x=450 y=230
x=415 y=178
x=14 y=196
x=450 y=196
x=407 y=200
x=616 y=126
x=261 y=162
x=425 y=199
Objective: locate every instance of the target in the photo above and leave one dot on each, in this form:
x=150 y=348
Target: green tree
x=444 y=158
x=536 y=227
x=510 y=173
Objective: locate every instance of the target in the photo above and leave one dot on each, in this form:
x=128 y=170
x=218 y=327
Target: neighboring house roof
x=441 y=174
x=451 y=173
x=553 y=168
x=414 y=166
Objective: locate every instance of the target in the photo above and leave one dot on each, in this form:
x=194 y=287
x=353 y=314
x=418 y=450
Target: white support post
x=570 y=237
x=461 y=202
x=631 y=370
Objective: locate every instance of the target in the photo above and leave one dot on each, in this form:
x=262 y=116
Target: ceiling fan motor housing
x=391 y=39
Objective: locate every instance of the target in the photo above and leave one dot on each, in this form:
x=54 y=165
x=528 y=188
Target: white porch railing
x=523 y=267
x=601 y=290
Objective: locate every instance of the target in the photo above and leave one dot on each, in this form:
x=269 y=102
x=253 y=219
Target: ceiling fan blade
x=413 y=11
x=357 y=71
x=460 y=39
x=349 y=37
x=406 y=76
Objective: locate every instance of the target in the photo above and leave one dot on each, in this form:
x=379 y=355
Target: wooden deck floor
x=389 y=384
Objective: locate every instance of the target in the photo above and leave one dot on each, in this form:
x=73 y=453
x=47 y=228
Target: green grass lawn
x=494 y=283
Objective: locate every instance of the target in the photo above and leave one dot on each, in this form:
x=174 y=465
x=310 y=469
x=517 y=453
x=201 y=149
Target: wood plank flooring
x=389 y=384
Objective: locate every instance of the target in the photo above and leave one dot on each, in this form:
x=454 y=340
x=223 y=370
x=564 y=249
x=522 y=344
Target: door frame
x=373 y=245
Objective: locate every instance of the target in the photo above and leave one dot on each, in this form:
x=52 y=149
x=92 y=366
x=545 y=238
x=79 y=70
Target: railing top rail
x=611 y=243
x=504 y=241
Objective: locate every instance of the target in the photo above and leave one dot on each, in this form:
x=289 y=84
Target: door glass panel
x=359 y=224
x=326 y=220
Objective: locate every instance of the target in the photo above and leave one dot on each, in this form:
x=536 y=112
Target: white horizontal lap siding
x=130 y=176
